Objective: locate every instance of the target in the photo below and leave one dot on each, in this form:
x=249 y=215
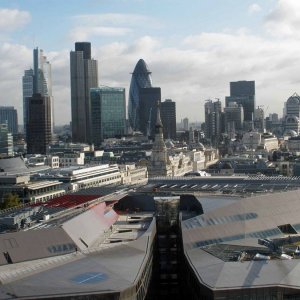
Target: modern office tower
x=9 y=116
x=213 y=115
x=185 y=124
x=168 y=118
x=108 y=117
x=6 y=141
x=84 y=76
x=292 y=106
x=243 y=93
x=141 y=78
x=147 y=110
x=27 y=84
x=38 y=124
x=234 y=118
x=38 y=80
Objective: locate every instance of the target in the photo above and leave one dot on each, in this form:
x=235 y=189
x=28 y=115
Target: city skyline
x=193 y=53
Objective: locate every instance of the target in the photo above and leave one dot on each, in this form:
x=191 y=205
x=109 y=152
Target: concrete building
x=38 y=124
x=84 y=76
x=9 y=116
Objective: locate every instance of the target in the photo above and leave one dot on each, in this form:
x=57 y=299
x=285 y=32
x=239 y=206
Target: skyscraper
x=38 y=124
x=168 y=118
x=108 y=113
x=38 y=80
x=9 y=116
x=141 y=78
x=213 y=112
x=84 y=76
x=243 y=93
x=149 y=97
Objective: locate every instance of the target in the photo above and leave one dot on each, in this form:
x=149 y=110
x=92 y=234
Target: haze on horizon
x=193 y=48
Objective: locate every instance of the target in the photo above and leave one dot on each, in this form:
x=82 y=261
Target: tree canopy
x=10 y=200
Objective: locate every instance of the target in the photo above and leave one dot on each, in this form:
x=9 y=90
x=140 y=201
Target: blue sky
x=194 y=48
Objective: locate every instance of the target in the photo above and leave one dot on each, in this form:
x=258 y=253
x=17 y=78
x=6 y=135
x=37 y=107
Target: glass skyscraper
x=84 y=75
x=243 y=93
x=141 y=78
x=9 y=116
x=108 y=113
x=38 y=80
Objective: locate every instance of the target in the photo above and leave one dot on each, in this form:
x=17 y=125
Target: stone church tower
x=159 y=164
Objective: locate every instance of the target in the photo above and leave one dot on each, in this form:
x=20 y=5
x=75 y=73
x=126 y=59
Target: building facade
x=84 y=75
x=9 y=116
x=6 y=141
x=243 y=93
x=141 y=78
x=39 y=124
x=234 y=117
x=168 y=118
x=108 y=113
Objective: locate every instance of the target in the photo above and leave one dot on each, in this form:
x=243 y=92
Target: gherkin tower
x=141 y=78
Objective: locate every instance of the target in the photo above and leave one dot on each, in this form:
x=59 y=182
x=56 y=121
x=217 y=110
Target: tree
x=10 y=200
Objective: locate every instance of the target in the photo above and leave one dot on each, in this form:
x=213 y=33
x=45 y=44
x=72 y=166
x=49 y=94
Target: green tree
x=10 y=200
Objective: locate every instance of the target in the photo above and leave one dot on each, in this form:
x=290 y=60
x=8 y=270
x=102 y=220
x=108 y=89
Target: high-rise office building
x=108 y=117
x=84 y=76
x=149 y=97
x=185 y=122
x=243 y=93
x=6 y=141
x=9 y=116
x=38 y=124
x=213 y=115
x=234 y=117
x=141 y=78
x=38 y=80
x=168 y=118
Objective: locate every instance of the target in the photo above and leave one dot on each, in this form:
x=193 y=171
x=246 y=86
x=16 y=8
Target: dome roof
x=292 y=119
x=291 y=133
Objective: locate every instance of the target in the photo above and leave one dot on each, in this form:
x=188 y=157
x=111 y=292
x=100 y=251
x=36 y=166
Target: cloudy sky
x=194 y=48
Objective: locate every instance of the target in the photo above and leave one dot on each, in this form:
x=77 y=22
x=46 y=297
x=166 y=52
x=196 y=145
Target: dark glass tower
x=39 y=124
x=149 y=97
x=141 y=78
x=168 y=118
x=243 y=93
x=84 y=76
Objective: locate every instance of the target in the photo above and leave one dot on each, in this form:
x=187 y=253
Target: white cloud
x=284 y=19
x=113 y=19
x=254 y=8
x=93 y=25
x=12 y=19
x=85 y=32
